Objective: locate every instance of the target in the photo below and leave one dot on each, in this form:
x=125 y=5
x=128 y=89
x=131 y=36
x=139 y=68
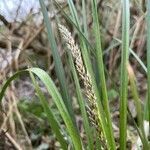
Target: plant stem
x=99 y=55
x=124 y=78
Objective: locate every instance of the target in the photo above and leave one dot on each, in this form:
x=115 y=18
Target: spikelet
x=92 y=108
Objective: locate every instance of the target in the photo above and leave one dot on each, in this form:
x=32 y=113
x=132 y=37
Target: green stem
x=99 y=55
x=81 y=103
x=124 y=78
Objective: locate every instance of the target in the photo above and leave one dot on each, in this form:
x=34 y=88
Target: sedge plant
x=94 y=101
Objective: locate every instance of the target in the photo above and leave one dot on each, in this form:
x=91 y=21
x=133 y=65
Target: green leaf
x=101 y=71
x=71 y=128
x=57 y=60
x=60 y=105
x=124 y=77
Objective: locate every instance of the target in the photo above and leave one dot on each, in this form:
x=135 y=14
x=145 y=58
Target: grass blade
x=124 y=78
x=51 y=118
x=99 y=58
x=60 y=105
x=58 y=64
x=16 y=75
x=43 y=76
x=81 y=103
